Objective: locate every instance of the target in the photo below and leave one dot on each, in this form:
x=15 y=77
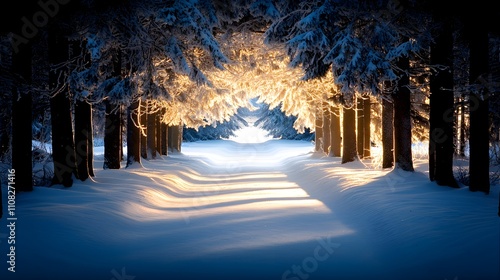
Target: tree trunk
x=461 y=151
x=151 y=134
x=84 y=139
x=349 y=152
x=164 y=138
x=441 y=117
x=133 y=134
x=112 y=137
x=387 y=134
x=479 y=160
x=360 y=127
x=336 y=138
x=83 y=131
x=159 y=138
x=367 y=145
x=22 y=161
x=326 y=128
x=143 y=124
x=90 y=150
x=179 y=137
x=402 y=120
x=318 y=133
x=123 y=116
x=63 y=146
x=175 y=137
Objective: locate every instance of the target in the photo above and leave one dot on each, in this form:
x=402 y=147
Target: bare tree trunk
x=318 y=134
x=462 y=128
x=143 y=124
x=112 y=137
x=90 y=145
x=441 y=120
x=387 y=134
x=172 y=136
x=133 y=133
x=151 y=134
x=326 y=128
x=164 y=138
x=349 y=152
x=360 y=127
x=175 y=137
x=159 y=137
x=479 y=160
x=63 y=146
x=83 y=130
x=179 y=137
x=402 y=120
x=367 y=129
x=336 y=137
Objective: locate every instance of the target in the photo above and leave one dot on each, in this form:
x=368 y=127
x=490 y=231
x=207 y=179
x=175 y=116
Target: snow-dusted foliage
x=280 y=125
x=215 y=131
x=357 y=41
x=202 y=60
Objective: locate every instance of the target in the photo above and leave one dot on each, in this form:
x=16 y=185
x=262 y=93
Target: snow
x=251 y=133
x=272 y=210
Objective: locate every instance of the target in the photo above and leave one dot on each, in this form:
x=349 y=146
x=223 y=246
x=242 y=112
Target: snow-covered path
x=272 y=210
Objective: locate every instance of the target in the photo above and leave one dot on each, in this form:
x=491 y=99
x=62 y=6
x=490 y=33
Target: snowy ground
x=272 y=210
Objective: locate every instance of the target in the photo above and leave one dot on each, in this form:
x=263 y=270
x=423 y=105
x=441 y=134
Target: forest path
x=272 y=210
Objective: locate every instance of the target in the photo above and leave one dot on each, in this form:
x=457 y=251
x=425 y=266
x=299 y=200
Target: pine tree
x=336 y=138
x=479 y=161
x=63 y=146
x=326 y=128
x=133 y=134
x=318 y=135
x=402 y=119
x=387 y=133
x=349 y=151
x=441 y=148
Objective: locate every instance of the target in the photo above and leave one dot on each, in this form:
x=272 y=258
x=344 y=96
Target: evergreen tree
x=441 y=147
x=479 y=160
x=280 y=125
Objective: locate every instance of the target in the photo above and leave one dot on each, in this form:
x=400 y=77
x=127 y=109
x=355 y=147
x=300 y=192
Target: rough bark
x=164 y=138
x=159 y=138
x=349 y=152
x=151 y=135
x=359 y=127
x=479 y=161
x=318 y=134
x=336 y=137
x=175 y=137
x=63 y=146
x=441 y=120
x=366 y=128
x=326 y=128
x=402 y=120
x=143 y=124
x=133 y=134
x=387 y=134
x=112 y=137
x=83 y=130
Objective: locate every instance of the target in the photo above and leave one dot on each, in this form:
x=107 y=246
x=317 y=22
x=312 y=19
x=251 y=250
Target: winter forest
x=152 y=81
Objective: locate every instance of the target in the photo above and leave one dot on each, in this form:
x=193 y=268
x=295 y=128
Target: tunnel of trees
x=347 y=73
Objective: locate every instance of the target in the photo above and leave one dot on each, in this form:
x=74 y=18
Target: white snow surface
x=271 y=210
